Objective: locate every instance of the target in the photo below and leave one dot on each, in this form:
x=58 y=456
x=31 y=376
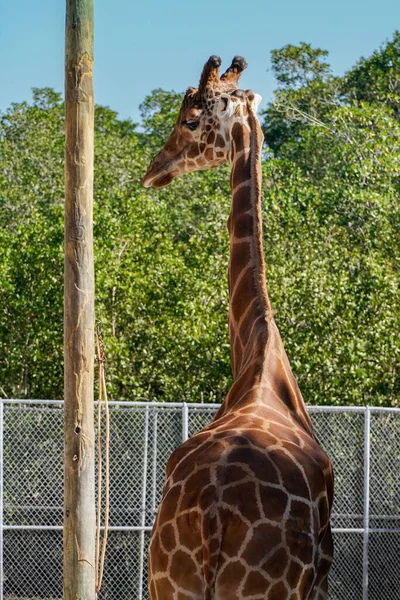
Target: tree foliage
x=297 y=66
x=331 y=232
x=376 y=79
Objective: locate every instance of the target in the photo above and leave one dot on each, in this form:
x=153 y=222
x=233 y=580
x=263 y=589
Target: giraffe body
x=246 y=503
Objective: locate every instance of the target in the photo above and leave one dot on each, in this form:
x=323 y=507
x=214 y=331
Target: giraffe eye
x=192 y=125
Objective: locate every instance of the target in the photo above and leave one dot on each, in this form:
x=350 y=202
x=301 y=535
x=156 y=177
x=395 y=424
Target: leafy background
x=331 y=175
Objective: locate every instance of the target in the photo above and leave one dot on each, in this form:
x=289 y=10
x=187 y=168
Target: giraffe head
x=202 y=136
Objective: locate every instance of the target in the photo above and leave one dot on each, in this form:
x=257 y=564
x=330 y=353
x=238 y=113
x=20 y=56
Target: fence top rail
x=198 y=405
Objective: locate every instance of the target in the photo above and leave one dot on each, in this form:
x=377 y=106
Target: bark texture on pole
x=79 y=495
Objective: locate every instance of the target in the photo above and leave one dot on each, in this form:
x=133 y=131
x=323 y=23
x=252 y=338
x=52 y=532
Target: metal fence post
x=367 y=437
x=185 y=420
x=143 y=508
x=154 y=490
x=1 y=497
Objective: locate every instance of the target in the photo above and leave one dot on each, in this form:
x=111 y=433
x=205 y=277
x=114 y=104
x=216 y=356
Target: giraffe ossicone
x=246 y=503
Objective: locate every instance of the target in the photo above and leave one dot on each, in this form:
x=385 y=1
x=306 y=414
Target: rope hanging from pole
x=102 y=544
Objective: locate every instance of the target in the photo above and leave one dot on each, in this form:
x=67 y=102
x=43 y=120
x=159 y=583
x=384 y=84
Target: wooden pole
x=79 y=496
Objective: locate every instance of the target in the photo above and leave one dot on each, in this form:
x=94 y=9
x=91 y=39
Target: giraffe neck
x=256 y=366
x=249 y=304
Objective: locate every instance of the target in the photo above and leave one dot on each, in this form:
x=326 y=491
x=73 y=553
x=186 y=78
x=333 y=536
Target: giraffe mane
x=256 y=140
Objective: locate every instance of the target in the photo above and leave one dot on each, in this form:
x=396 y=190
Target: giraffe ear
x=256 y=102
x=226 y=107
x=255 y=99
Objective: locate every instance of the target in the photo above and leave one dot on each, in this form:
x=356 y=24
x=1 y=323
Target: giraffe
x=246 y=502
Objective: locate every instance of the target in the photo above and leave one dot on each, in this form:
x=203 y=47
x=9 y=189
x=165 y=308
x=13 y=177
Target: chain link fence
x=363 y=443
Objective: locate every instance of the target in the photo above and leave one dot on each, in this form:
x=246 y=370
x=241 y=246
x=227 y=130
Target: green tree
x=159 y=112
x=159 y=257
x=298 y=66
x=344 y=154
x=306 y=88
x=31 y=242
x=376 y=79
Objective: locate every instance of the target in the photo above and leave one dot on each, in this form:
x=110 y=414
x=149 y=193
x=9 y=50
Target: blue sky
x=143 y=45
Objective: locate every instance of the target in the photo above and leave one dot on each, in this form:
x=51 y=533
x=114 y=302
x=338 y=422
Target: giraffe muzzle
x=159 y=180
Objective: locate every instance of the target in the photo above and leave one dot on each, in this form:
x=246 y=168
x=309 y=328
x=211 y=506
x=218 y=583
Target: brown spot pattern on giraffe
x=219 y=142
